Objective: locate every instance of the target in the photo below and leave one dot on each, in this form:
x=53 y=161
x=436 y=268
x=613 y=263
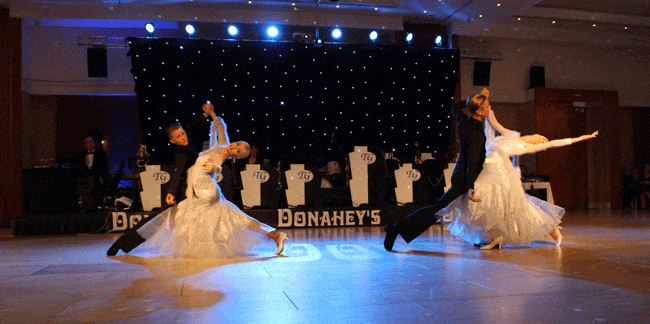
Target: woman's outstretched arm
x=534 y=148
x=218 y=134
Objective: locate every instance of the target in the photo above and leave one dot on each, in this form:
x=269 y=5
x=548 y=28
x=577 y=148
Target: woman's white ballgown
x=505 y=209
x=205 y=224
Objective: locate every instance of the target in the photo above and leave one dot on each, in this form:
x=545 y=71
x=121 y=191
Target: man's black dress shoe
x=391 y=236
x=115 y=247
x=127 y=242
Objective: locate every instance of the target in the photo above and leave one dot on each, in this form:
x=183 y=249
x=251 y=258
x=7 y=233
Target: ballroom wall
x=583 y=66
x=53 y=64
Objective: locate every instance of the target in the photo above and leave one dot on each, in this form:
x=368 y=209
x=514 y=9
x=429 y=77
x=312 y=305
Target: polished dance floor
x=601 y=274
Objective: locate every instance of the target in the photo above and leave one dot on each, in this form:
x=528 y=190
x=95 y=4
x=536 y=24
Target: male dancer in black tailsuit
x=184 y=158
x=468 y=167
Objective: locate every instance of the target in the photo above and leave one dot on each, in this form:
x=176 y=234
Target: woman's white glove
x=211 y=167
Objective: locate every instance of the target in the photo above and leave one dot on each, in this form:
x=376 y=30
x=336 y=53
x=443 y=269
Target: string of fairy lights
x=297 y=99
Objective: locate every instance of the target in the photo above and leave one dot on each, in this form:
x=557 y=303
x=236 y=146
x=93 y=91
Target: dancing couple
x=486 y=202
x=204 y=224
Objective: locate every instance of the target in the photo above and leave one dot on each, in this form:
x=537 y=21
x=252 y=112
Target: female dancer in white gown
x=505 y=213
x=205 y=224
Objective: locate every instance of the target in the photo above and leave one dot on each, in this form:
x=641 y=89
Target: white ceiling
x=620 y=22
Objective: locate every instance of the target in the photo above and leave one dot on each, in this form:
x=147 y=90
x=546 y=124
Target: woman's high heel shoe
x=495 y=244
x=280 y=243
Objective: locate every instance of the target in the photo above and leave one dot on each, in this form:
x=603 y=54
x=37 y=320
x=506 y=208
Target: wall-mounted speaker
x=537 y=78
x=97 y=62
x=482 y=73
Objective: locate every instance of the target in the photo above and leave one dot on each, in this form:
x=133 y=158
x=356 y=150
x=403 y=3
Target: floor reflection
x=339 y=275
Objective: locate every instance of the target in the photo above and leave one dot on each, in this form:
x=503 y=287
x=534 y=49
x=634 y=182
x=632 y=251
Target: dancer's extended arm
x=218 y=134
x=534 y=148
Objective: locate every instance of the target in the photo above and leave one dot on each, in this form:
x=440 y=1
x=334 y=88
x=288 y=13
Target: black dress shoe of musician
x=391 y=236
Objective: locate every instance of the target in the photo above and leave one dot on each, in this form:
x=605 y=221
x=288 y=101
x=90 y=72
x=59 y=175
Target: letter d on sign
x=284 y=217
x=119 y=221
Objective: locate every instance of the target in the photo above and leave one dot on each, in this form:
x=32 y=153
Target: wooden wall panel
x=10 y=118
x=586 y=174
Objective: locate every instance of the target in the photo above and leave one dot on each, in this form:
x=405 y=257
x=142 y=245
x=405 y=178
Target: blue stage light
x=373 y=35
x=150 y=28
x=409 y=37
x=336 y=33
x=189 y=29
x=438 y=40
x=233 y=31
x=272 y=31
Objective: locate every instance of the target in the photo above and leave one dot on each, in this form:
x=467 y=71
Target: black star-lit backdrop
x=298 y=102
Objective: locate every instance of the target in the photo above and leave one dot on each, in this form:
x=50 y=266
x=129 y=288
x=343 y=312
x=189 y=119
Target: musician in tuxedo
x=468 y=167
x=94 y=166
x=93 y=159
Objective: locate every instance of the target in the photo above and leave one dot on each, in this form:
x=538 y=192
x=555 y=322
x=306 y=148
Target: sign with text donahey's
x=328 y=218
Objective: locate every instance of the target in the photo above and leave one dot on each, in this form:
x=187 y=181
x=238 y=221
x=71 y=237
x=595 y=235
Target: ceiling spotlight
x=150 y=28
x=438 y=40
x=189 y=29
x=272 y=31
x=373 y=35
x=409 y=37
x=336 y=33
x=233 y=31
